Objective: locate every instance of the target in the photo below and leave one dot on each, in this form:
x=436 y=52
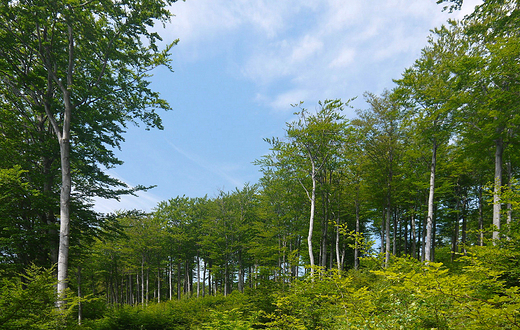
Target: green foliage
x=211 y=312
x=407 y=295
x=329 y=300
x=426 y=295
x=27 y=301
x=356 y=240
x=129 y=317
x=228 y=320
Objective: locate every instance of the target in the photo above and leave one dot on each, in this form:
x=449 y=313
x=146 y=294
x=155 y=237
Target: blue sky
x=239 y=66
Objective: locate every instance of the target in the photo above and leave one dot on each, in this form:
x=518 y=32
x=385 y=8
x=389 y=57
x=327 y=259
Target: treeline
x=426 y=170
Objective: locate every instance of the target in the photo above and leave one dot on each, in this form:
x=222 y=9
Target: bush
x=194 y=313
x=28 y=301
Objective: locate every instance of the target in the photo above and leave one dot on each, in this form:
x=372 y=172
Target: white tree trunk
x=338 y=258
x=356 y=250
x=66 y=180
x=170 y=278
x=429 y=219
x=311 y=220
x=66 y=184
x=198 y=276
x=158 y=285
x=387 y=230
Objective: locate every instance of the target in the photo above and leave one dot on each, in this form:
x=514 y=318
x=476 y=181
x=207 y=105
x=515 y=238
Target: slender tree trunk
x=423 y=238
x=311 y=219
x=455 y=237
x=394 y=236
x=497 y=205
x=204 y=279
x=383 y=225
x=226 y=278
x=131 y=300
x=80 y=306
x=179 y=280
x=356 y=250
x=338 y=260
x=387 y=230
x=464 y=225
x=429 y=219
x=413 y=235
x=389 y=206
x=122 y=290
x=324 y=226
x=158 y=284
x=142 y=281
x=147 y=285
x=405 y=236
x=480 y=216
x=284 y=260
x=187 y=279
x=137 y=287
x=198 y=276
x=209 y=279
x=510 y=186
x=170 y=288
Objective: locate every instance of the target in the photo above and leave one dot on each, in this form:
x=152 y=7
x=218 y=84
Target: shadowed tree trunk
x=497 y=205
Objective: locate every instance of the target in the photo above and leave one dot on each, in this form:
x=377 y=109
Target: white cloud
x=310 y=48
x=305 y=48
x=345 y=58
x=284 y=100
x=340 y=14
x=204 y=27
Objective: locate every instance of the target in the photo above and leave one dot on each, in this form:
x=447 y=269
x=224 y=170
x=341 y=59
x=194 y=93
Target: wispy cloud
x=144 y=201
x=219 y=170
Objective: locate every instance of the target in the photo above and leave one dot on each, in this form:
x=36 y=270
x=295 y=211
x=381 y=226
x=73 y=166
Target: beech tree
x=83 y=67
x=380 y=124
x=312 y=141
x=491 y=76
x=280 y=226
x=430 y=93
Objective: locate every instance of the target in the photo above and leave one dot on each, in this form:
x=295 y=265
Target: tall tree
x=84 y=66
x=381 y=126
x=312 y=142
x=492 y=83
x=430 y=94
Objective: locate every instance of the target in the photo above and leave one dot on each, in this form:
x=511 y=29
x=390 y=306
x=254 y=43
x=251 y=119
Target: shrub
x=28 y=301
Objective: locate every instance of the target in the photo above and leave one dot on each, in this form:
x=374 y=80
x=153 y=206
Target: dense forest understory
x=404 y=217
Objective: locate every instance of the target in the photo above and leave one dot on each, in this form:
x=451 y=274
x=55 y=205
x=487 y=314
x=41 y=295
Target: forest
x=403 y=217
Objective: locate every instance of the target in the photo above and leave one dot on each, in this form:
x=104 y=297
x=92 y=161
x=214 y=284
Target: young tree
x=83 y=66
